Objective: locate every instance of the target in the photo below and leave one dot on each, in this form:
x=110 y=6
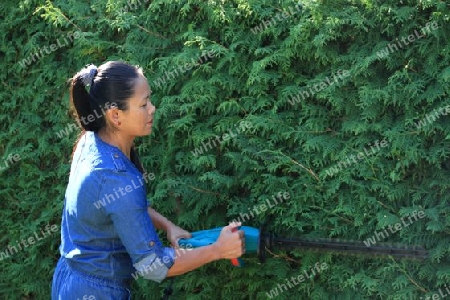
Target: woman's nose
x=152 y=109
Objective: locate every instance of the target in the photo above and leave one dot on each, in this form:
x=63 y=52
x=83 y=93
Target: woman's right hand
x=230 y=244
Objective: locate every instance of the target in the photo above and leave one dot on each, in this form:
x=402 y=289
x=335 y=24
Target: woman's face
x=137 y=120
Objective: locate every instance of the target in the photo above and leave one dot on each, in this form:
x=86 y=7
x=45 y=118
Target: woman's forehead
x=141 y=85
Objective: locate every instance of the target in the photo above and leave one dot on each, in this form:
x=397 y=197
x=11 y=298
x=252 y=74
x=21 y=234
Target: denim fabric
x=106 y=229
x=72 y=284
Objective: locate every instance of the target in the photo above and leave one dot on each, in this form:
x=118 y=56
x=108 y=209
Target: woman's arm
x=174 y=233
x=136 y=230
x=228 y=245
x=160 y=222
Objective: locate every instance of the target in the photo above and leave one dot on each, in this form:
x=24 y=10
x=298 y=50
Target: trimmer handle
x=207 y=237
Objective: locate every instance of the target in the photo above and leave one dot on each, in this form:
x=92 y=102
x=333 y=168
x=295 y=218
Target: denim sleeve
x=127 y=208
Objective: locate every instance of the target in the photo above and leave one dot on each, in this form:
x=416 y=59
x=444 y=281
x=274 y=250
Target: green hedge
x=342 y=104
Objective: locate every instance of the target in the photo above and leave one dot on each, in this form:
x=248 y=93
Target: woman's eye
x=144 y=105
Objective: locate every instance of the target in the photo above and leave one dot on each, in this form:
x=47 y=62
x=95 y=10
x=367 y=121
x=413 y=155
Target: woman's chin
x=148 y=130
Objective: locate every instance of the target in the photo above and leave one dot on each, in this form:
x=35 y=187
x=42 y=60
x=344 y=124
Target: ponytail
x=81 y=101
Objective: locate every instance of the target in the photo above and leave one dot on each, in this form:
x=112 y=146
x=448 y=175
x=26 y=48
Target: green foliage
x=289 y=147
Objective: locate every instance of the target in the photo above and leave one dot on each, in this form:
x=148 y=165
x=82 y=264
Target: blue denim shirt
x=106 y=230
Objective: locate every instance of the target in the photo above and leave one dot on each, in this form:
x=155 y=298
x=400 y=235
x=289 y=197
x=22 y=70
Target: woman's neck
x=124 y=143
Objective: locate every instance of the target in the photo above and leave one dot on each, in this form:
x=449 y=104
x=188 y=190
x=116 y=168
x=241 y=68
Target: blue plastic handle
x=207 y=237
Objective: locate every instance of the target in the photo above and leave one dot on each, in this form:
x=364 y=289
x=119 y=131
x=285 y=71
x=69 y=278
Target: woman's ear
x=112 y=116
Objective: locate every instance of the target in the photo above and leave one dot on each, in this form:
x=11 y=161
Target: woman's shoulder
x=101 y=157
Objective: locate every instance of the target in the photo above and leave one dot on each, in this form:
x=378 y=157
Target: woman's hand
x=231 y=244
x=174 y=233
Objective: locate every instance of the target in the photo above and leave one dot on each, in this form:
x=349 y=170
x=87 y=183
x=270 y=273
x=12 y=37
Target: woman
x=103 y=245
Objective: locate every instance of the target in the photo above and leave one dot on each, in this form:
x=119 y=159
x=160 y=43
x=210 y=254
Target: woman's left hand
x=174 y=233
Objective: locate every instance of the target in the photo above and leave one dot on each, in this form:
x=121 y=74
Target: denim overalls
x=107 y=236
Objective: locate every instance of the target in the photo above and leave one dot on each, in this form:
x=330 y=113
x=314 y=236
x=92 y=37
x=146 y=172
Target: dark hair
x=111 y=85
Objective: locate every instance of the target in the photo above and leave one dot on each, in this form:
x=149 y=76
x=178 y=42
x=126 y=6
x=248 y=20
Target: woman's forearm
x=191 y=259
x=159 y=220
x=188 y=259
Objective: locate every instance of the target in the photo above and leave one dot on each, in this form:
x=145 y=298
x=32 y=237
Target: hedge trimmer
x=258 y=241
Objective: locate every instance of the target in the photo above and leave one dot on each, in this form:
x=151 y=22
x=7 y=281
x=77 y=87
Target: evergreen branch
x=314 y=131
x=409 y=277
x=387 y=207
x=150 y=32
x=57 y=10
x=310 y=171
x=242 y=108
x=203 y=191
x=68 y=20
x=416 y=132
x=333 y=213
x=282 y=256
